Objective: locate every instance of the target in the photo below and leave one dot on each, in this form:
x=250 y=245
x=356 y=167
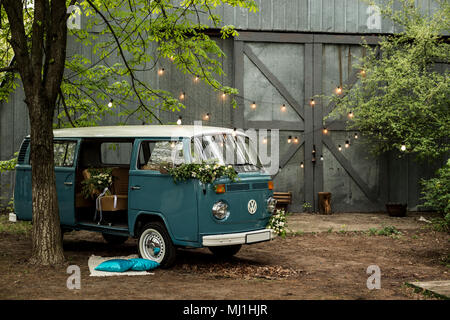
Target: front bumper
x=238 y=238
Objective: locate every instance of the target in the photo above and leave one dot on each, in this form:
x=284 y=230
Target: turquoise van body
x=180 y=212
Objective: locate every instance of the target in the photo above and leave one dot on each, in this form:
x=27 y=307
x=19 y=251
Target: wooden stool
x=325 y=202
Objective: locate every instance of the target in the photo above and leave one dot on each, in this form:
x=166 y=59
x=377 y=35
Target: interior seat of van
x=92 y=155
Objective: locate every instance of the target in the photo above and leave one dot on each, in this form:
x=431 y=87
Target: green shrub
x=388 y=231
x=436 y=191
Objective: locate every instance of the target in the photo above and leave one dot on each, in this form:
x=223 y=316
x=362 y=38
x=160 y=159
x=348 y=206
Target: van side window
x=64 y=153
x=116 y=153
x=154 y=154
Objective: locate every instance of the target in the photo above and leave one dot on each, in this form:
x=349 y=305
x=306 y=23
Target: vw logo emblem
x=251 y=206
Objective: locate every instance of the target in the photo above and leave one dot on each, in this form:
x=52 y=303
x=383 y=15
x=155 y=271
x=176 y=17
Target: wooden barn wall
x=391 y=178
x=339 y=16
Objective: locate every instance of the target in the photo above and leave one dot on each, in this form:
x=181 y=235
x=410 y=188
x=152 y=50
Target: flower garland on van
x=205 y=172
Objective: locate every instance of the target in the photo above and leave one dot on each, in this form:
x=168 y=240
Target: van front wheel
x=155 y=244
x=225 y=251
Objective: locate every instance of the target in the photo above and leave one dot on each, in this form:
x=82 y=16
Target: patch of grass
x=389 y=231
x=330 y=230
x=445 y=260
x=441 y=224
x=386 y=231
x=19 y=227
x=299 y=233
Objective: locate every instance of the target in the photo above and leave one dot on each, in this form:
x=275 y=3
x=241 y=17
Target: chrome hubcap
x=152 y=245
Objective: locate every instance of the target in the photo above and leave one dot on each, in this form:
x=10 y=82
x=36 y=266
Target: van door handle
x=135 y=188
x=68 y=183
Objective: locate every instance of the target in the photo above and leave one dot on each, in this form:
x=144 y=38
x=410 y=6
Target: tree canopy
x=402 y=99
x=135 y=35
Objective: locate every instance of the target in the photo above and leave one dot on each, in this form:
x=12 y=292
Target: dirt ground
x=326 y=260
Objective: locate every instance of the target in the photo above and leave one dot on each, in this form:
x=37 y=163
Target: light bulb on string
x=347 y=143
x=182 y=96
x=172 y=145
x=206 y=117
x=196 y=78
x=264 y=141
x=403 y=147
x=161 y=71
x=224 y=96
x=295 y=140
x=362 y=73
x=179 y=120
x=321 y=157
x=283 y=108
x=339 y=148
x=302 y=165
x=339 y=90
x=289 y=139
x=312 y=102
x=350 y=114
x=325 y=130
x=356 y=135
x=110 y=103
x=253 y=105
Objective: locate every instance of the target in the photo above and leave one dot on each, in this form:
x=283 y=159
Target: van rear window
x=116 y=153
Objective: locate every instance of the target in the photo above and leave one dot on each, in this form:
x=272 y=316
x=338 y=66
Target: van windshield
x=225 y=149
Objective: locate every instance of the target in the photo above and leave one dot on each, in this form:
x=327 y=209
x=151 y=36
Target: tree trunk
x=41 y=72
x=47 y=244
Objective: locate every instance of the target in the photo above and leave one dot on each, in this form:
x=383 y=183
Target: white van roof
x=132 y=131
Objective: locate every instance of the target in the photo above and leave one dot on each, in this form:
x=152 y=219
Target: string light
x=283 y=108
x=295 y=140
x=338 y=90
x=321 y=157
x=339 y=148
x=161 y=71
x=350 y=114
x=302 y=165
x=347 y=143
x=403 y=147
x=253 y=105
x=206 y=117
x=325 y=130
x=224 y=95
x=179 y=120
x=289 y=139
x=172 y=144
x=356 y=135
x=182 y=95
x=362 y=73
x=313 y=154
x=196 y=79
x=110 y=103
x=312 y=102
x=264 y=141
x=234 y=132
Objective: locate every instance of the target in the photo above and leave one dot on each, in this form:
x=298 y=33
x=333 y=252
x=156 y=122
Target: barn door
x=277 y=81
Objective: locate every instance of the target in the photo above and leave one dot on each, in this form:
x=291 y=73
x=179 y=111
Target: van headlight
x=271 y=204
x=220 y=210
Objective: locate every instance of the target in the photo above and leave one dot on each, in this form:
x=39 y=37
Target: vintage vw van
x=144 y=201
